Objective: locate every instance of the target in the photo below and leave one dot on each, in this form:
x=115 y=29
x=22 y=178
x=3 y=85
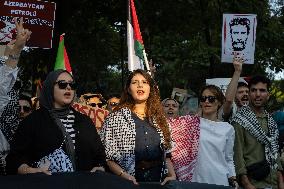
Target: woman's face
x=209 y=103
x=171 y=108
x=63 y=92
x=139 y=89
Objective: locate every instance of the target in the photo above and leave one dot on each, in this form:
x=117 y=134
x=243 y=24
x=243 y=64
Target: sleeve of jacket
x=111 y=136
x=239 y=150
x=20 y=148
x=229 y=154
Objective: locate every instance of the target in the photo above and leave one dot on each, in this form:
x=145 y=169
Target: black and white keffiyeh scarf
x=247 y=119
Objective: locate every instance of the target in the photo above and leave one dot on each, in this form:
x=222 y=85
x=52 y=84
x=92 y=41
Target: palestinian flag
x=62 y=60
x=136 y=51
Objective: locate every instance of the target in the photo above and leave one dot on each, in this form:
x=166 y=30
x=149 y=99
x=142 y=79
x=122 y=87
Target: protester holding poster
x=238 y=36
x=236 y=93
x=136 y=135
x=56 y=138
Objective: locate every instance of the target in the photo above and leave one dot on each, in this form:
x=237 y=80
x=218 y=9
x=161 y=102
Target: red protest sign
x=38 y=17
x=97 y=115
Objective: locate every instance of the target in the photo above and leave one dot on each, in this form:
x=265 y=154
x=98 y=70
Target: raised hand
x=23 y=35
x=238 y=63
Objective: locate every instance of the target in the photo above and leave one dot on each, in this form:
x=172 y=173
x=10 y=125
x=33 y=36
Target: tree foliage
x=183 y=37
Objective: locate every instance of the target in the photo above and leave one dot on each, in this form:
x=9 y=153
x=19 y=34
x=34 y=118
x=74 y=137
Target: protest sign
x=179 y=95
x=96 y=114
x=38 y=17
x=238 y=37
x=222 y=83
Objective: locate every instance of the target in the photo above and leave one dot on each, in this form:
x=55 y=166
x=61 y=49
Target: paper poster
x=222 y=83
x=96 y=114
x=238 y=37
x=38 y=17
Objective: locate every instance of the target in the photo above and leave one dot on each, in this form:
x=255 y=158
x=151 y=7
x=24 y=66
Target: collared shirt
x=8 y=77
x=249 y=151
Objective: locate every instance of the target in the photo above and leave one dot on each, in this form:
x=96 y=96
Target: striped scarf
x=247 y=119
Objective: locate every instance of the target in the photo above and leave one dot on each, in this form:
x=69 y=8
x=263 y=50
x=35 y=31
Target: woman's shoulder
x=122 y=112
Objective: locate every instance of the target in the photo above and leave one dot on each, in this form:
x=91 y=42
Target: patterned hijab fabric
x=185 y=135
x=247 y=119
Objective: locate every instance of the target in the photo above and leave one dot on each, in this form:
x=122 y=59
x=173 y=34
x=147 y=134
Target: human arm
x=280 y=180
x=116 y=169
x=26 y=169
x=171 y=172
x=232 y=87
x=240 y=164
x=114 y=128
x=14 y=48
x=22 y=151
x=246 y=183
x=229 y=154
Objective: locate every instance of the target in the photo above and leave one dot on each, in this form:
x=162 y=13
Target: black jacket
x=38 y=136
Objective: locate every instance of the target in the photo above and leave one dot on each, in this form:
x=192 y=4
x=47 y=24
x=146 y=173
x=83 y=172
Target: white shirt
x=8 y=77
x=215 y=156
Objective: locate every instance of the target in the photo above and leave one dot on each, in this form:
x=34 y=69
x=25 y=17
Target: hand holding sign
x=238 y=36
x=238 y=63
x=23 y=35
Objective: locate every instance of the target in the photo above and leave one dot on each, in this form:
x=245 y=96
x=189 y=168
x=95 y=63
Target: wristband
x=14 y=57
x=121 y=172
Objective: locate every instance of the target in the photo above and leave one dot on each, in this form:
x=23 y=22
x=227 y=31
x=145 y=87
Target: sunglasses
x=26 y=108
x=211 y=99
x=96 y=104
x=63 y=84
x=113 y=103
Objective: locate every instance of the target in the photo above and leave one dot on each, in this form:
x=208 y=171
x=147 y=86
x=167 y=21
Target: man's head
x=239 y=29
x=241 y=97
x=112 y=102
x=258 y=91
x=25 y=106
x=171 y=107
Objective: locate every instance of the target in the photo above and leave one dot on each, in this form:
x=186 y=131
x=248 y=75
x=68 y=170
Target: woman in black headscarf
x=56 y=138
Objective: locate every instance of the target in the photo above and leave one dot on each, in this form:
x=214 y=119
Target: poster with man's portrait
x=238 y=37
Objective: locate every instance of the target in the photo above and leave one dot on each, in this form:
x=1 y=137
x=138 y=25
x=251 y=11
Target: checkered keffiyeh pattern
x=247 y=119
x=185 y=135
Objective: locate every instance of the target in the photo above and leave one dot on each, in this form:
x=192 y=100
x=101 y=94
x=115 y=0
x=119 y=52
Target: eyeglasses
x=26 y=108
x=113 y=103
x=62 y=84
x=211 y=99
x=96 y=104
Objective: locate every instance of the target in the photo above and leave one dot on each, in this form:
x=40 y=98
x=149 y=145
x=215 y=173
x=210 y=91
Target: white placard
x=222 y=83
x=238 y=36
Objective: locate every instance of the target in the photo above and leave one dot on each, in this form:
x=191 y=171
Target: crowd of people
x=231 y=140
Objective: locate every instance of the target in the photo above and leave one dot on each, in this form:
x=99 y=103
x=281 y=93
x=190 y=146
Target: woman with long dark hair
x=136 y=135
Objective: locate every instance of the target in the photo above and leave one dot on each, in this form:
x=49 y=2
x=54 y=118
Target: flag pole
x=146 y=61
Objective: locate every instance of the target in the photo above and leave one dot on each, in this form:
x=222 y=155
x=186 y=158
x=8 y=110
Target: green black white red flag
x=62 y=60
x=136 y=50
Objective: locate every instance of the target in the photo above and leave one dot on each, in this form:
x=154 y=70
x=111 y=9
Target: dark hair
x=242 y=84
x=24 y=97
x=167 y=99
x=240 y=21
x=216 y=91
x=259 y=79
x=154 y=108
x=113 y=95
